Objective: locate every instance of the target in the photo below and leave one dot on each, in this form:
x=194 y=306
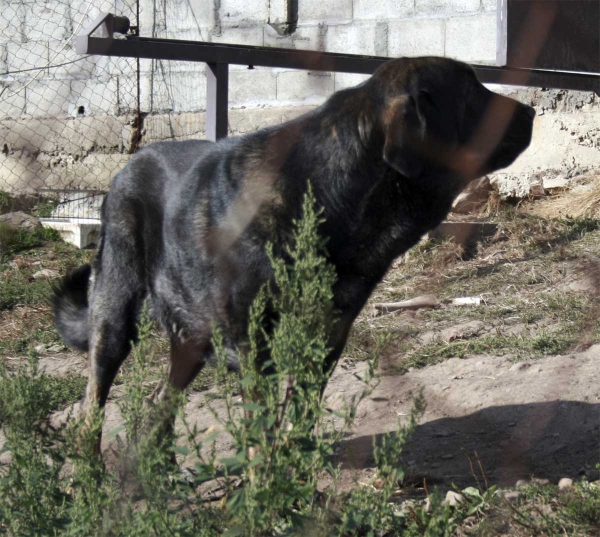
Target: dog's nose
x=530 y=111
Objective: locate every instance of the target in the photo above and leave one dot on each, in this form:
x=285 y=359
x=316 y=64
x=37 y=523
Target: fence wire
x=67 y=122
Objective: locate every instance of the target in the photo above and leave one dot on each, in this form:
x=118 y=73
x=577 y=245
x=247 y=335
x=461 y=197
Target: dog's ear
x=405 y=125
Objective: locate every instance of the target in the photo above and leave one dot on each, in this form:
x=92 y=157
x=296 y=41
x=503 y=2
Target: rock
x=520 y=366
x=565 y=483
x=20 y=220
x=521 y=483
x=512 y=495
x=453 y=498
x=474 y=197
x=45 y=273
x=591 y=474
x=540 y=482
x=551 y=183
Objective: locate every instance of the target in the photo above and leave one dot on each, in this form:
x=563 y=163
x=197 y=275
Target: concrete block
x=273 y=39
x=382 y=9
x=22 y=56
x=277 y=11
x=83 y=67
x=74 y=136
x=11 y=22
x=195 y=15
x=92 y=96
x=252 y=35
x=127 y=93
x=50 y=19
x=236 y=11
x=83 y=233
x=416 y=37
x=251 y=87
x=250 y=120
x=162 y=127
x=430 y=7
x=295 y=85
x=472 y=38
x=101 y=133
x=318 y=10
x=48 y=98
x=12 y=103
x=173 y=91
x=21 y=173
x=357 y=38
x=348 y=80
x=94 y=171
x=489 y=5
x=310 y=37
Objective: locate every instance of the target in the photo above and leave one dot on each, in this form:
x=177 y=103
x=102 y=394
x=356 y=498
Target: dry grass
x=578 y=203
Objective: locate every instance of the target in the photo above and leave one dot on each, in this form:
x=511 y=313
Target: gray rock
x=453 y=498
x=45 y=273
x=565 y=483
x=555 y=182
x=20 y=220
x=522 y=483
x=540 y=482
x=512 y=495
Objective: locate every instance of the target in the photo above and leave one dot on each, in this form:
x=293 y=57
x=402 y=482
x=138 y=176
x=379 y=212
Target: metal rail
x=218 y=57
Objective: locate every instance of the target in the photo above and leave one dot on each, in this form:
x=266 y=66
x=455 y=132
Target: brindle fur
x=185 y=224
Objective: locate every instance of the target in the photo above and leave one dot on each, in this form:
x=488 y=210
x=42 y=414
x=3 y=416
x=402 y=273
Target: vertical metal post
x=217 y=97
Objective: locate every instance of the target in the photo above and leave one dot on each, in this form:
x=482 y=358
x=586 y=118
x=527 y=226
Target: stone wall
x=72 y=122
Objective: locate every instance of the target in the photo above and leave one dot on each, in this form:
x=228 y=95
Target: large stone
x=20 y=220
x=474 y=197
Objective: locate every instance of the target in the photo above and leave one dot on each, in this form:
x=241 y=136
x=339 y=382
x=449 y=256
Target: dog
x=185 y=224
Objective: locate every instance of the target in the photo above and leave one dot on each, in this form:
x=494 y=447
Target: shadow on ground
x=550 y=440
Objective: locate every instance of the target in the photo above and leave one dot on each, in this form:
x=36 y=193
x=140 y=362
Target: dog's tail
x=71 y=308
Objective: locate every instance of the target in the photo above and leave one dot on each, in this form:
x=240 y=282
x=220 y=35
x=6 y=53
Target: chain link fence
x=67 y=122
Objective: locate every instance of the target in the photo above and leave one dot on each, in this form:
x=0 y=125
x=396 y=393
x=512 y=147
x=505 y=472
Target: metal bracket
x=109 y=25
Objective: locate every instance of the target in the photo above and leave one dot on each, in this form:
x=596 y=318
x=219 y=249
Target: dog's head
x=434 y=115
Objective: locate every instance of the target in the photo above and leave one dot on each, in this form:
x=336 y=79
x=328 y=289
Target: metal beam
x=215 y=53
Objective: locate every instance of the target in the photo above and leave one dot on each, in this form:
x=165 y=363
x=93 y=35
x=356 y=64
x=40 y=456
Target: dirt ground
x=515 y=380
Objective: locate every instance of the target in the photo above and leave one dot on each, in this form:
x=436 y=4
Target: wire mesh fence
x=67 y=122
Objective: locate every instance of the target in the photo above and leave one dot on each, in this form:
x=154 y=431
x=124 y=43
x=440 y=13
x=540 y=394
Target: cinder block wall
x=74 y=126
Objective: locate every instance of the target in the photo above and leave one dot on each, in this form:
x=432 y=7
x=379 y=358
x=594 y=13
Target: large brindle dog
x=185 y=224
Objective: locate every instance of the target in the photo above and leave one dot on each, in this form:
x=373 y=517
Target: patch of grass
x=544 y=510
x=64 y=391
x=17 y=287
x=13 y=240
x=523 y=347
x=6 y=201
